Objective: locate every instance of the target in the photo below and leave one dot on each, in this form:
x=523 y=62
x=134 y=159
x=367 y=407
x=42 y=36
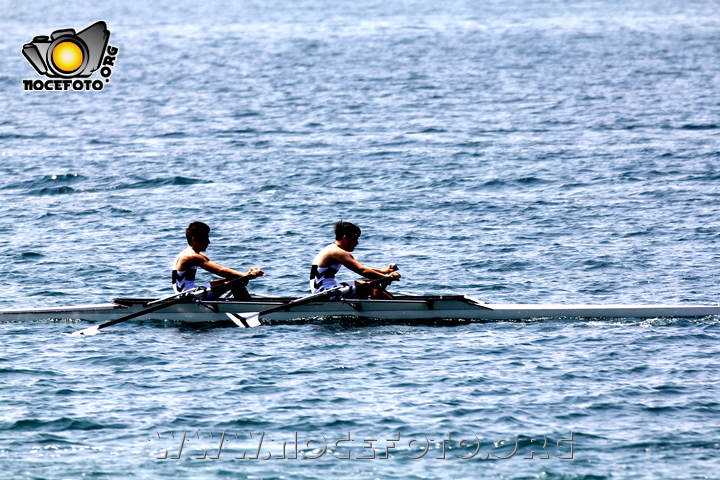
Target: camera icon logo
x=67 y=54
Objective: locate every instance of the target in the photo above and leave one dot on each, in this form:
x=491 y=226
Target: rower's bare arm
x=347 y=260
x=212 y=267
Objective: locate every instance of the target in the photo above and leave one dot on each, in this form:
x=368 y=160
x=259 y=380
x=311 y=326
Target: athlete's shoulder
x=327 y=255
x=192 y=258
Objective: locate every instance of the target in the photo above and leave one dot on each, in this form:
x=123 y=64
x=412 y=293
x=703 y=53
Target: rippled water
x=515 y=151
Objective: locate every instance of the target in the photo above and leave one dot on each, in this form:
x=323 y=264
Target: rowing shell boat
x=402 y=309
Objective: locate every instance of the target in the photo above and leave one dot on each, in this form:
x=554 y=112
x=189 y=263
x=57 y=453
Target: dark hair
x=196 y=230
x=346 y=228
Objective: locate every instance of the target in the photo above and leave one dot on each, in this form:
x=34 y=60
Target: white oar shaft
x=252 y=319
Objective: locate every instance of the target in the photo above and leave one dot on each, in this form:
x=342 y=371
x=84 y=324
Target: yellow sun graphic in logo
x=67 y=56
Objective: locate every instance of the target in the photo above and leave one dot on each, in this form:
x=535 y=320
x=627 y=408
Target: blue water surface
x=517 y=151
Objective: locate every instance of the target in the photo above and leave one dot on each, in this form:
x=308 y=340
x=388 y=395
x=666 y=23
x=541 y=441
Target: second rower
x=332 y=258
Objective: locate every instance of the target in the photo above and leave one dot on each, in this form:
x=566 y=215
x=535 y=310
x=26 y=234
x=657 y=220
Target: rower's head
x=347 y=235
x=198 y=236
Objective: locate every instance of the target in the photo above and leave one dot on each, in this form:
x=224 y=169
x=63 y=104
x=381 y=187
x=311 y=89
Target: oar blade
x=245 y=320
x=253 y=320
x=88 y=332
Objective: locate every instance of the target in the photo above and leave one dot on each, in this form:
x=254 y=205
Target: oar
x=157 y=305
x=252 y=319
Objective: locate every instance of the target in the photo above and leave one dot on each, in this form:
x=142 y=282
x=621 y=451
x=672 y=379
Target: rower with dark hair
x=332 y=258
x=188 y=261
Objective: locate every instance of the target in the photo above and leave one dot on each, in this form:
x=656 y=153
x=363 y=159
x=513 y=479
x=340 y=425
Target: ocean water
x=515 y=151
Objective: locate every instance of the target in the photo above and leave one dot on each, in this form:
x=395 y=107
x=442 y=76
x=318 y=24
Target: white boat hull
x=403 y=309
